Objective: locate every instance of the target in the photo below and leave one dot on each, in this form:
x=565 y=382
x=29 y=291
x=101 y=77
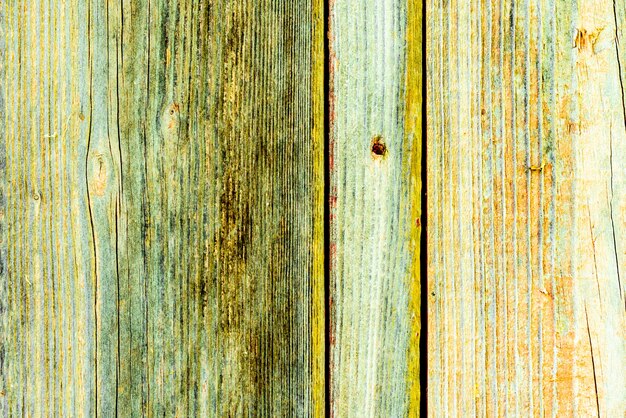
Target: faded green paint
x=161 y=228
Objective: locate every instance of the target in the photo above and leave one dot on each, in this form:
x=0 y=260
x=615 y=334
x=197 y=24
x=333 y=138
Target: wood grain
x=375 y=168
x=163 y=208
x=527 y=210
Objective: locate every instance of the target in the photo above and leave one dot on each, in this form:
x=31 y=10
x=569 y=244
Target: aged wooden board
x=375 y=166
x=163 y=203
x=527 y=208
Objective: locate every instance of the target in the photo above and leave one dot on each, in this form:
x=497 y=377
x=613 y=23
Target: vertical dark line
x=91 y=223
x=423 y=237
x=327 y=312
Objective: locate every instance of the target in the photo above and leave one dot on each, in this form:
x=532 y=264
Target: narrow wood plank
x=375 y=169
x=50 y=360
x=4 y=296
x=526 y=152
x=164 y=208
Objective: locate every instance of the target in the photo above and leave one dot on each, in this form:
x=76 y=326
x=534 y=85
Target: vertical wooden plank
x=4 y=296
x=319 y=102
x=375 y=169
x=525 y=178
x=61 y=146
x=164 y=208
x=50 y=360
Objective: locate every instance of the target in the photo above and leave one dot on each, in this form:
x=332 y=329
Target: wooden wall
x=312 y=208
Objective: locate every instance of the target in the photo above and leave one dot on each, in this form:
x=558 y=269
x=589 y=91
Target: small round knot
x=174 y=108
x=378 y=147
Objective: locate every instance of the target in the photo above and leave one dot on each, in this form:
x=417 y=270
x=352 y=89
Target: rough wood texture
x=375 y=166
x=527 y=208
x=163 y=210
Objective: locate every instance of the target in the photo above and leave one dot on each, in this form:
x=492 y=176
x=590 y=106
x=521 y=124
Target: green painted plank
x=163 y=208
x=375 y=169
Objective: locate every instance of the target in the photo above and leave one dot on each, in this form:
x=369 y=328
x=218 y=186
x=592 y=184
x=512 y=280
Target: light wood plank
x=50 y=360
x=526 y=159
x=375 y=169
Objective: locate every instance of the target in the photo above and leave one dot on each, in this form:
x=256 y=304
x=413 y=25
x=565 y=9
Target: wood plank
x=164 y=208
x=4 y=296
x=526 y=152
x=375 y=169
x=50 y=357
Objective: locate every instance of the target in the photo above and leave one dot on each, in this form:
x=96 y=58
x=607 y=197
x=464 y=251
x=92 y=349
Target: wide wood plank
x=164 y=208
x=375 y=207
x=527 y=208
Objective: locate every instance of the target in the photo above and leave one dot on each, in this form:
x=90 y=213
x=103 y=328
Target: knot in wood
x=378 y=147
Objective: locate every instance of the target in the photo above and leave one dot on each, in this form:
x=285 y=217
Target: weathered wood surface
x=163 y=203
x=527 y=208
x=375 y=169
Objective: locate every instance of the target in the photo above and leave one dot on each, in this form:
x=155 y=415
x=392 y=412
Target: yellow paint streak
x=318 y=315
x=413 y=132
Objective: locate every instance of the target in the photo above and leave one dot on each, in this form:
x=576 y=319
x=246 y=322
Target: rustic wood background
x=214 y=208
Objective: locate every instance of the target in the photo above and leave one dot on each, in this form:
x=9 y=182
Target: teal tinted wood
x=375 y=207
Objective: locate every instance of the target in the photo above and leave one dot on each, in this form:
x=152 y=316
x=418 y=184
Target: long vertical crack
x=91 y=222
x=621 y=82
x=593 y=363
